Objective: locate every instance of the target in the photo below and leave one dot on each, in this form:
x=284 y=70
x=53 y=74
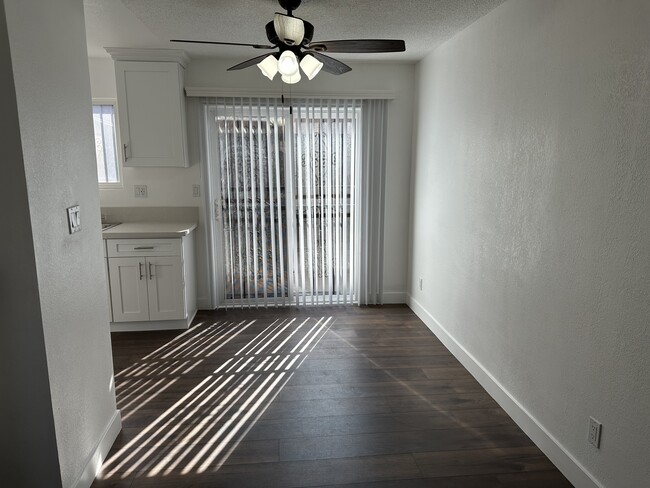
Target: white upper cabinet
x=151 y=108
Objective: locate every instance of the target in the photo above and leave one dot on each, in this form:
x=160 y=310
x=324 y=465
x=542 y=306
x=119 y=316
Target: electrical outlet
x=595 y=428
x=420 y=284
x=140 y=191
x=196 y=191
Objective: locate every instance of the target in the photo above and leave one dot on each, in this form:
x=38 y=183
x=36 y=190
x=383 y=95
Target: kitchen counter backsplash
x=149 y=214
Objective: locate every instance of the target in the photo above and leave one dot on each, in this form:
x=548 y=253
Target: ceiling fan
x=292 y=37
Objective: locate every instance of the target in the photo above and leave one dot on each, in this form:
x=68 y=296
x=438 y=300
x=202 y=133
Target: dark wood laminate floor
x=327 y=396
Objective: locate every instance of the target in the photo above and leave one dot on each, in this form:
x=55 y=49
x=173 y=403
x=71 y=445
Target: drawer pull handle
x=151 y=268
x=143 y=248
x=140 y=269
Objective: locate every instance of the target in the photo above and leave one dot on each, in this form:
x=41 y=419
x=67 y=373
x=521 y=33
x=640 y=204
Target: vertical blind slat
x=293 y=279
x=330 y=201
x=244 y=203
x=353 y=165
x=260 y=146
x=281 y=216
x=300 y=215
x=270 y=186
x=308 y=158
x=230 y=206
x=337 y=154
x=314 y=221
x=321 y=166
x=253 y=204
x=238 y=210
x=344 y=190
x=223 y=164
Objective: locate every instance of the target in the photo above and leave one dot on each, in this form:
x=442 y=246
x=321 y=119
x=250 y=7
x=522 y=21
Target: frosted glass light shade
x=288 y=64
x=268 y=66
x=290 y=30
x=310 y=66
x=290 y=80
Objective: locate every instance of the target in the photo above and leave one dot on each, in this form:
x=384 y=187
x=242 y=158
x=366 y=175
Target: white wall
x=50 y=71
x=28 y=425
x=174 y=186
x=530 y=216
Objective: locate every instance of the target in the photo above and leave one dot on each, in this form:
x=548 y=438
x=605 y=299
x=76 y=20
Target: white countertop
x=146 y=230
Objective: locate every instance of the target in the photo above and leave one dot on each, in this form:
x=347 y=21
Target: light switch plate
x=196 y=191
x=74 y=219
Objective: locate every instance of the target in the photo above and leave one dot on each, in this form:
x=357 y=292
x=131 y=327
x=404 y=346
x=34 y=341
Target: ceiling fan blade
x=248 y=63
x=255 y=46
x=331 y=65
x=359 y=46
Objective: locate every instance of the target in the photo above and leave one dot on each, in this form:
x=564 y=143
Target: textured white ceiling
x=423 y=24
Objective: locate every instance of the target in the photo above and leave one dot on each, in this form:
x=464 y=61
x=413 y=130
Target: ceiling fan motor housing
x=273 y=37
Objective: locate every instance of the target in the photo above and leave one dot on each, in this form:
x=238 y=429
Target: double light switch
x=74 y=219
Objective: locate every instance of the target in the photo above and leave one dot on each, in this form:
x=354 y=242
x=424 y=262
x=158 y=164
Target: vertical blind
x=371 y=201
x=288 y=199
x=325 y=168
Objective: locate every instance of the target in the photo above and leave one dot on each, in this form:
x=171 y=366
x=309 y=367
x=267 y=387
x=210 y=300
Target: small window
x=106 y=153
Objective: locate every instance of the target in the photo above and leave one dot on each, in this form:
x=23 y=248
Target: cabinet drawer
x=143 y=247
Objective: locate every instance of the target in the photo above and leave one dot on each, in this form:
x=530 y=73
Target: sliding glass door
x=287 y=211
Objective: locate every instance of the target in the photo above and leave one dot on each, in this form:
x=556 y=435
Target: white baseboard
x=575 y=472
x=388 y=298
x=394 y=297
x=153 y=325
x=204 y=304
x=97 y=456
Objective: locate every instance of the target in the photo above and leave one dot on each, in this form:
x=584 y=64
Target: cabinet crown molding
x=135 y=54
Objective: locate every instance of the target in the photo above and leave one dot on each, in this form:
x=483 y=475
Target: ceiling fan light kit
x=269 y=66
x=292 y=37
x=290 y=80
x=310 y=66
x=288 y=63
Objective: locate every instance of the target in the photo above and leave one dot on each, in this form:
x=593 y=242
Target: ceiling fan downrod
x=289 y=5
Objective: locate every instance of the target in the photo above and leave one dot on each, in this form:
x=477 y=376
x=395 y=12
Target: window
x=106 y=153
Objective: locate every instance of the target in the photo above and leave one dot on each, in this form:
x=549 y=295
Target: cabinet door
x=128 y=278
x=108 y=289
x=151 y=108
x=166 y=288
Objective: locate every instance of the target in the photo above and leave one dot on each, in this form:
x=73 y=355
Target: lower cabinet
x=146 y=288
x=155 y=287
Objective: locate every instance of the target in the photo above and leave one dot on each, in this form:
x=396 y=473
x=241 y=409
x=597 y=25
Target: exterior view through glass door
x=287 y=207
